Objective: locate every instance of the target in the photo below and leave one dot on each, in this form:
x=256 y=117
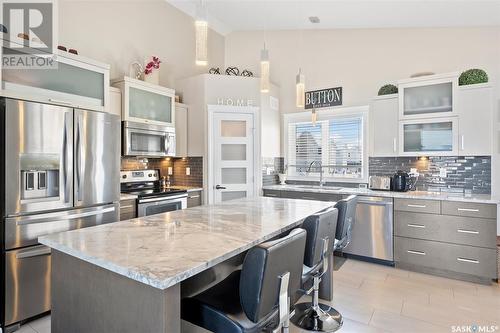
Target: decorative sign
x=234 y=102
x=323 y=98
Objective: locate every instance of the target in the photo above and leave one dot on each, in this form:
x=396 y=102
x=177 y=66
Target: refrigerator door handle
x=78 y=161
x=65 y=175
x=66 y=217
x=36 y=252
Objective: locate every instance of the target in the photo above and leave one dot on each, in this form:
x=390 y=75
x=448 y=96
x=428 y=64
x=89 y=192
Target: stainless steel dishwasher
x=372 y=234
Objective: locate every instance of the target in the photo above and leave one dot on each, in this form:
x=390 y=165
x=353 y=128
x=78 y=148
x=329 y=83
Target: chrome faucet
x=321 y=182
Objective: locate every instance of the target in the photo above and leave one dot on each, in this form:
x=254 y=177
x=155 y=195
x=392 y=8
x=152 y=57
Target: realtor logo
x=28 y=33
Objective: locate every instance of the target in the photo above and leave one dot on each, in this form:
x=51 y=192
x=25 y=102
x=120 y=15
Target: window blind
x=335 y=145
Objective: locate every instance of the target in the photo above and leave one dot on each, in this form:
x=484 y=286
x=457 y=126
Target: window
x=334 y=145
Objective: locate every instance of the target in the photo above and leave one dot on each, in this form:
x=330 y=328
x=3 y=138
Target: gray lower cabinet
x=128 y=209
x=302 y=195
x=194 y=199
x=454 y=239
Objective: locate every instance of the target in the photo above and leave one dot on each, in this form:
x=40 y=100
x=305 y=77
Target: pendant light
x=201 y=31
x=264 y=70
x=300 y=89
x=314 y=117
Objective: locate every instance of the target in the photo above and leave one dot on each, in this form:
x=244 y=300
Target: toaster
x=379 y=183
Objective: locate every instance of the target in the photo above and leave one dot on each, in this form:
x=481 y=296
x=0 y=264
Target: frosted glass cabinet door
x=150 y=106
x=429 y=137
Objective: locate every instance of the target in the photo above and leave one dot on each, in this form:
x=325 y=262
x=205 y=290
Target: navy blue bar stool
x=256 y=298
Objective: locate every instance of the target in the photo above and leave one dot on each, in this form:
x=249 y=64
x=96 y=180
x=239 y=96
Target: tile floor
x=374 y=298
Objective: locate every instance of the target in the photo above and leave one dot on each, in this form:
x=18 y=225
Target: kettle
x=401 y=181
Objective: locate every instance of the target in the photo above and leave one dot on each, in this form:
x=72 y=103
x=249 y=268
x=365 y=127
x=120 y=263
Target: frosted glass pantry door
x=233 y=156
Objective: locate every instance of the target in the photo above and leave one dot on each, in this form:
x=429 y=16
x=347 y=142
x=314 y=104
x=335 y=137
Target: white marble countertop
x=165 y=249
x=479 y=198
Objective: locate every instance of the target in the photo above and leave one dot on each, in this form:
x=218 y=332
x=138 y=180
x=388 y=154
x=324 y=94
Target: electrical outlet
x=442 y=172
x=188 y=171
x=170 y=171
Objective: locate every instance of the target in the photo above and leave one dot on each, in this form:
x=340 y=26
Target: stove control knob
x=124 y=176
x=150 y=175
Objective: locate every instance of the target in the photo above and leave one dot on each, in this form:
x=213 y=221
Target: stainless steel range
x=151 y=197
x=59 y=171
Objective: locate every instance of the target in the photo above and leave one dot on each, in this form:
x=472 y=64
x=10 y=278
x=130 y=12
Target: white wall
x=362 y=60
x=120 y=32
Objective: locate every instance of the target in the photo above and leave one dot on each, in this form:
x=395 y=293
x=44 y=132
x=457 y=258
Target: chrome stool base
x=320 y=318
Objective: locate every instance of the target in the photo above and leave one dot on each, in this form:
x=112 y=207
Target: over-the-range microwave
x=147 y=140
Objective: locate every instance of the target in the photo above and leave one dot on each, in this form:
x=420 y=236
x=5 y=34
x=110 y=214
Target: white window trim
x=327 y=114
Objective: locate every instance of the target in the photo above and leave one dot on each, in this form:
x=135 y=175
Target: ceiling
x=226 y=16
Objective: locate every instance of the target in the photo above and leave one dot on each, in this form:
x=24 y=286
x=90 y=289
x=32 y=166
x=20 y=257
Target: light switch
x=188 y=171
x=442 y=172
x=170 y=171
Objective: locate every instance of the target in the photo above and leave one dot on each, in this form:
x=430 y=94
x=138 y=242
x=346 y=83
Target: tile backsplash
x=179 y=165
x=463 y=173
x=271 y=167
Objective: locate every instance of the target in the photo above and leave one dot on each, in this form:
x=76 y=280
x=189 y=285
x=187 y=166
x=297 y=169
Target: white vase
x=153 y=77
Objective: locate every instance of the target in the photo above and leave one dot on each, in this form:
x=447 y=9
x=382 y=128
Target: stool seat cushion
x=218 y=309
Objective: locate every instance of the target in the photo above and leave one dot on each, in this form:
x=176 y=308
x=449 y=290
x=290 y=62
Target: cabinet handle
x=411 y=225
x=420 y=253
x=417 y=206
x=271 y=195
x=468 y=231
x=309 y=198
x=58 y=101
x=194 y=197
x=126 y=206
x=472 y=261
x=462 y=142
x=394 y=145
x=468 y=210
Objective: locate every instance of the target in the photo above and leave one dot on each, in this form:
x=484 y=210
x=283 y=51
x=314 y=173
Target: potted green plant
x=387 y=90
x=472 y=76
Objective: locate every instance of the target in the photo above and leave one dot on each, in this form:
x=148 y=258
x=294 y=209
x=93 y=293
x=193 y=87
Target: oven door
x=148 y=142
x=152 y=206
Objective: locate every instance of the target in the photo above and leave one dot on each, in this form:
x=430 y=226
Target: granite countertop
x=446 y=196
x=165 y=249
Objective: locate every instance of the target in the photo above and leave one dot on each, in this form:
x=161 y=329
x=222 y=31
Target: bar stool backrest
x=347 y=217
x=319 y=226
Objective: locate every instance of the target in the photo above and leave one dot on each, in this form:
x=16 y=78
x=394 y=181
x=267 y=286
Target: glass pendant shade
x=201 y=27
x=300 y=90
x=264 y=71
x=314 y=117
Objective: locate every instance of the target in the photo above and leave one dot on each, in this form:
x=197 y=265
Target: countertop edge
x=386 y=194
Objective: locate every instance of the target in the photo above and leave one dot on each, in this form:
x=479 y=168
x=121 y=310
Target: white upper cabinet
x=428 y=96
x=384 y=126
x=148 y=103
x=74 y=81
x=475 y=119
x=181 y=129
x=429 y=137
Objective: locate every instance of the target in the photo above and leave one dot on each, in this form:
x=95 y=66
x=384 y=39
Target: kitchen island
x=129 y=276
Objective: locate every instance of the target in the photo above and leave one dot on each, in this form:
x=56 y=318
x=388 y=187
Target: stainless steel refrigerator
x=60 y=171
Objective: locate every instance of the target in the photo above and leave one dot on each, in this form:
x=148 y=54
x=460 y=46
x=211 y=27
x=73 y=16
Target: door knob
x=218 y=187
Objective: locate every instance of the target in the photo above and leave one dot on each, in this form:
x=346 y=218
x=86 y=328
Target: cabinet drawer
x=194 y=199
x=444 y=256
x=272 y=193
x=451 y=229
x=470 y=209
x=418 y=206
